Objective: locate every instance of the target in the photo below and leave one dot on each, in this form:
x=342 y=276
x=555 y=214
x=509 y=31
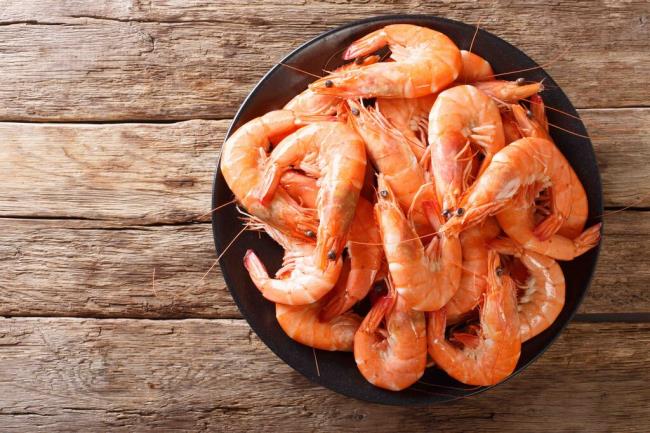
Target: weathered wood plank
x=81 y=268
x=126 y=375
x=162 y=173
x=112 y=60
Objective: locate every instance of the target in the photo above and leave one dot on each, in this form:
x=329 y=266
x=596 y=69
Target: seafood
x=426 y=61
x=496 y=349
x=425 y=277
x=300 y=281
x=543 y=297
x=393 y=356
x=473 y=281
x=310 y=102
x=411 y=117
x=242 y=159
x=390 y=154
x=462 y=121
x=475 y=68
x=335 y=154
x=518 y=171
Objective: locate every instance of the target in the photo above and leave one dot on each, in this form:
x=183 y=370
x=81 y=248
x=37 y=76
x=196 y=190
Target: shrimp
x=494 y=355
x=389 y=152
x=365 y=253
x=508 y=92
x=511 y=131
x=411 y=117
x=426 y=61
x=543 y=297
x=300 y=281
x=473 y=281
x=392 y=357
x=304 y=323
x=242 y=159
x=335 y=154
x=536 y=125
x=309 y=102
x=425 y=278
x=475 y=68
x=528 y=165
x=462 y=117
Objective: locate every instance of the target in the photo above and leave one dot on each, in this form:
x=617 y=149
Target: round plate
x=337 y=370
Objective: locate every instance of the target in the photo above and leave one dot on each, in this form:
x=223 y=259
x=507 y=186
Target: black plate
x=338 y=371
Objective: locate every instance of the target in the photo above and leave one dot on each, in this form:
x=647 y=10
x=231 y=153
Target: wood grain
x=86 y=269
x=126 y=59
x=198 y=375
x=162 y=173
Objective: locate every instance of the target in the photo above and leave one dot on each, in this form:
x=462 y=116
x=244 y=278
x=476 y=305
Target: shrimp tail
x=588 y=239
x=265 y=191
x=358 y=280
x=380 y=309
x=366 y=45
x=255 y=268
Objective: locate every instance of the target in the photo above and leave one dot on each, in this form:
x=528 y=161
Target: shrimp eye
x=331 y=255
x=460 y=211
x=529 y=114
x=446 y=213
x=358 y=61
x=354 y=111
x=310 y=234
x=383 y=193
x=520 y=81
x=499 y=271
x=329 y=83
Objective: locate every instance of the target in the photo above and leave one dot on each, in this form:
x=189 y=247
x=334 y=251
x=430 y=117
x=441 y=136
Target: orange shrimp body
x=425 y=278
x=310 y=102
x=365 y=253
x=391 y=357
x=411 y=117
x=461 y=118
x=473 y=281
x=527 y=163
x=242 y=161
x=543 y=297
x=334 y=153
x=425 y=61
x=389 y=152
x=494 y=357
x=475 y=68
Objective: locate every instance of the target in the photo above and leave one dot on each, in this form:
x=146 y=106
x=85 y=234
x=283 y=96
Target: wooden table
x=112 y=116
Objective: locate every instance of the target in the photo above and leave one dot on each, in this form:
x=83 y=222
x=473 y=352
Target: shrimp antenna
x=329 y=59
x=471 y=45
x=557 y=110
x=636 y=202
x=300 y=70
x=234 y=200
x=551 y=62
x=569 y=132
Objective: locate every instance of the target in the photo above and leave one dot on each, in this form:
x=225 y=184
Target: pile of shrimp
x=422 y=186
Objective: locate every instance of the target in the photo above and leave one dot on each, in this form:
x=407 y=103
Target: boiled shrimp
x=428 y=277
x=394 y=356
x=299 y=281
x=389 y=152
x=543 y=297
x=242 y=159
x=473 y=281
x=475 y=68
x=425 y=61
x=365 y=253
x=462 y=121
x=525 y=165
x=335 y=154
x=494 y=354
x=310 y=102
